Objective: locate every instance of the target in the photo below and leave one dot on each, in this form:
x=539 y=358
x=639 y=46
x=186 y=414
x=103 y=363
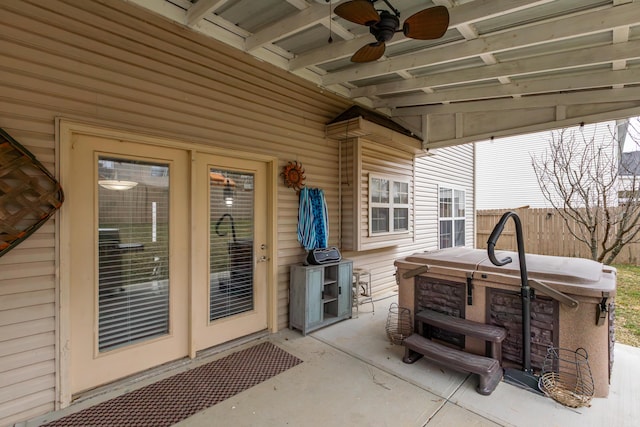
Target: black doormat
x=173 y=399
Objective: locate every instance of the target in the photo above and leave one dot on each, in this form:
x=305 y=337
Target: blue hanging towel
x=306 y=228
x=313 y=219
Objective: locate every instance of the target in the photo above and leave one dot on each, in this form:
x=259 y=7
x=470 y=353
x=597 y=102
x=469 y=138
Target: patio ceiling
x=503 y=67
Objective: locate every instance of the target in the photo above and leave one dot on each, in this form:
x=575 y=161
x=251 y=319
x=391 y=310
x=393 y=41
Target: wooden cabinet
x=319 y=295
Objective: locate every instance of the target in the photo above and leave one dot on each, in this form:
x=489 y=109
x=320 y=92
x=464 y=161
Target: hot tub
x=463 y=282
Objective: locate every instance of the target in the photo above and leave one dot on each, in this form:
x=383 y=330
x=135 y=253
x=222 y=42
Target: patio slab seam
x=443 y=403
x=390 y=372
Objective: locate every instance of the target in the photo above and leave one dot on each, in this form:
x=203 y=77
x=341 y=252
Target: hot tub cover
x=574 y=275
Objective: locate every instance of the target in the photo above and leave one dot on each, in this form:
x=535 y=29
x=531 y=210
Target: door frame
x=207 y=333
x=66 y=133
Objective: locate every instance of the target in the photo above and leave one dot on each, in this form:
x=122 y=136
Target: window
x=451 y=211
x=628 y=196
x=389 y=205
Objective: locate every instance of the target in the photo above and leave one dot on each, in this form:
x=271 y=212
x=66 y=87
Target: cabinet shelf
x=319 y=295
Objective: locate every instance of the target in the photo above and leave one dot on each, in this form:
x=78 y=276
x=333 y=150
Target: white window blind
x=231 y=210
x=133 y=250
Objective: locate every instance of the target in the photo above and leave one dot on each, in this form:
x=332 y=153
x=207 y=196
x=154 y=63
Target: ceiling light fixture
x=116 y=184
x=227 y=193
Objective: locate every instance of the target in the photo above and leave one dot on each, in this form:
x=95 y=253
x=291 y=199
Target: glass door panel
x=230 y=269
x=133 y=252
x=231 y=240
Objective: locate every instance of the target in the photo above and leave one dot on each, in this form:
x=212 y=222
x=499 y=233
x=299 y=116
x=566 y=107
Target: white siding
x=451 y=166
x=505 y=178
x=361 y=159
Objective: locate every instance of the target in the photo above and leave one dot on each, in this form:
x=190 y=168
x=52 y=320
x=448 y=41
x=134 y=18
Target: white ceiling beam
x=561 y=112
x=535 y=34
x=214 y=26
x=503 y=129
x=218 y=28
x=608 y=95
x=298 y=4
x=337 y=50
x=481 y=10
x=305 y=18
x=620 y=35
x=460 y=15
x=487 y=58
x=337 y=29
x=163 y=8
x=563 y=60
x=404 y=75
x=525 y=87
x=201 y=9
x=468 y=31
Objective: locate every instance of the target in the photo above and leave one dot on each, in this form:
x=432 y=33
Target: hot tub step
x=490 y=333
x=488 y=369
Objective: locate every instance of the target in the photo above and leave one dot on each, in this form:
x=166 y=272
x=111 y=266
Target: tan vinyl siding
x=114 y=64
x=27 y=331
x=453 y=166
x=361 y=159
x=349 y=180
x=392 y=164
x=117 y=65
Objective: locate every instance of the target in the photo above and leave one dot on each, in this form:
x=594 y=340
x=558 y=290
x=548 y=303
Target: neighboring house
x=630 y=164
x=505 y=178
x=201 y=134
x=629 y=172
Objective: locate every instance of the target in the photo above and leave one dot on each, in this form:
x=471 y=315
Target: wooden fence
x=544 y=232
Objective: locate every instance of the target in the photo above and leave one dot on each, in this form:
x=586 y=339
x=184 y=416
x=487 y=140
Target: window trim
x=453 y=218
x=390 y=206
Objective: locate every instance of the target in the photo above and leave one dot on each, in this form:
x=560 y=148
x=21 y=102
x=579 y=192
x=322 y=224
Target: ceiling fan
x=428 y=24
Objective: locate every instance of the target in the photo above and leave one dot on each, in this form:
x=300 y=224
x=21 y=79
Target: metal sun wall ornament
x=29 y=193
x=293 y=175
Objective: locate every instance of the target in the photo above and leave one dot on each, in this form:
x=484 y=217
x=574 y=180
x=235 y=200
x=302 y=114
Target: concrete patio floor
x=353 y=376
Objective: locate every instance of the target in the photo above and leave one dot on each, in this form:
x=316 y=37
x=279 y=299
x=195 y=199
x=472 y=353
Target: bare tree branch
x=592 y=189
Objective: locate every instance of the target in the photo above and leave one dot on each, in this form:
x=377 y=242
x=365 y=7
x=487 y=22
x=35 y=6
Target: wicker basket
x=29 y=194
x=566 y=377
x=399 y=323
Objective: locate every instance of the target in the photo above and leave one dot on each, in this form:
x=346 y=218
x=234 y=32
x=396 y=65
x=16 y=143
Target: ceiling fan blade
x=358 y=11
x=370 y=52
x=427 y=24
